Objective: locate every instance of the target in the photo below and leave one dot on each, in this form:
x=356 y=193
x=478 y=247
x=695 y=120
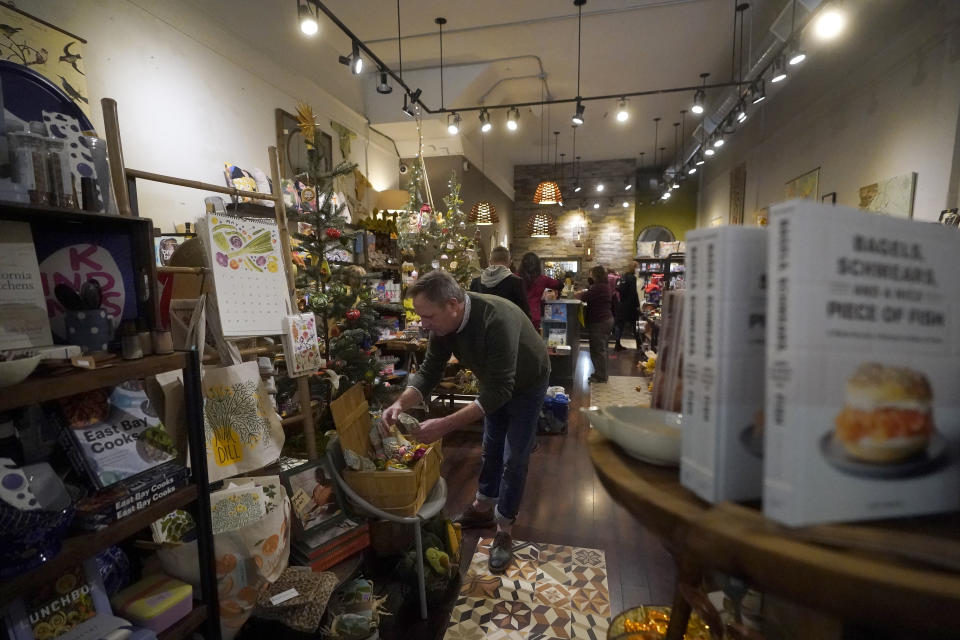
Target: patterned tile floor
x=548 y=592
x=619 y=390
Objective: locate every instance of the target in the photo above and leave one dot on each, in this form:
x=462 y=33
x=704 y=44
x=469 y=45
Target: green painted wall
x=679 y=213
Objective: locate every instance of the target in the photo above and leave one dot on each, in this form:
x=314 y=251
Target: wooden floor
x=564 y=503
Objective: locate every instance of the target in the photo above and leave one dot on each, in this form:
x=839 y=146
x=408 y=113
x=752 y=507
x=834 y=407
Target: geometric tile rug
x=548 y=592
x=620 y=390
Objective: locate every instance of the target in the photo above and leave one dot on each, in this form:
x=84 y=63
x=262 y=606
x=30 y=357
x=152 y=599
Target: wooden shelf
x=184 y=627
x=898 y=574
x=78 y=548
x=39 y=388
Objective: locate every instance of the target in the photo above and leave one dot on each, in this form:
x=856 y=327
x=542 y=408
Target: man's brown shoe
x=501 y=552
x=471 y=518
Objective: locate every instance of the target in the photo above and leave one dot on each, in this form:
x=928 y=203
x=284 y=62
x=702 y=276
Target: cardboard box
x=863 y=366
x=724 y=351
x=155 y=602
x=400 y=492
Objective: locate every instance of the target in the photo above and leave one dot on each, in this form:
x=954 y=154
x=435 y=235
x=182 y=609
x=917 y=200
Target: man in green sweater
x=493 y=338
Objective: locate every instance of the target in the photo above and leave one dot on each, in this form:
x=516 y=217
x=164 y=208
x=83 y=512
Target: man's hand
x=433 y=430
x=389 y=417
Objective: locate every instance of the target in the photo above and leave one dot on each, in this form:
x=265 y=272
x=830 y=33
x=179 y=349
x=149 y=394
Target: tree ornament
x=369 y=375
x=325 y=270
x=353 y=314
x=308 y=194
x=332 y=233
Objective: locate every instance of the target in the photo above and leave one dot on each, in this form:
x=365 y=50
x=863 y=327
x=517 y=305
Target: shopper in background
x=498 y=280
x=536 y=283
x=599 y=320
x=628 y=311
x=489 y=336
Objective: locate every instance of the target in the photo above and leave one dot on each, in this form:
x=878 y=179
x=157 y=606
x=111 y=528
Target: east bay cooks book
x=863 y=366
x=724 y=331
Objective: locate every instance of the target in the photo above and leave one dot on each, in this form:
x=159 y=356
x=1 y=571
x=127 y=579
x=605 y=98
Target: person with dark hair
x=497 y=279
x=491 y=337
x=628 y=312
x=536 y=283
x=599 y=317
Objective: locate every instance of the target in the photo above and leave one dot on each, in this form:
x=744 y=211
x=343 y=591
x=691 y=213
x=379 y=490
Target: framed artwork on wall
x=292 y=147
x=893 y=196
x=829 y=198
x=806 y=186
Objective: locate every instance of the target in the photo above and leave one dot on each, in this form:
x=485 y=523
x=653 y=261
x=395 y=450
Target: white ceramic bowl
x=646 y=434
x=14 y=371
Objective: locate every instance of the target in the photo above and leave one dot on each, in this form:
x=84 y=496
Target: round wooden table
x=902 y=574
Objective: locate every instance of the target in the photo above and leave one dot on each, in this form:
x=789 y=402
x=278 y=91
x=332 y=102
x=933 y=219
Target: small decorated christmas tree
x=434 y=239
x=333 y=289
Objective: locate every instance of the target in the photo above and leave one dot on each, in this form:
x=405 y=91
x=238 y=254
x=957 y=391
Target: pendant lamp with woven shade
x=548 y=192
x=541 y=225
x=483 y=212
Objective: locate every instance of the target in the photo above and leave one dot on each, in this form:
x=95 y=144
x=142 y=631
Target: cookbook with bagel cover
x=863 y=370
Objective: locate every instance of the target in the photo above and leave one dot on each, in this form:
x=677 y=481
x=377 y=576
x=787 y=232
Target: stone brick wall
x=610 y=227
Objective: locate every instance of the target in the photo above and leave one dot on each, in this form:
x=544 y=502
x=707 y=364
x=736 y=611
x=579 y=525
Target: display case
x=561 y=333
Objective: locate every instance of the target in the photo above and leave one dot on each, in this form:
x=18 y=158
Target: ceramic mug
x=90 y=329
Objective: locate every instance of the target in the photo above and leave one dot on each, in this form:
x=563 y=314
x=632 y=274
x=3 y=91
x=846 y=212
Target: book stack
x=130 y=495
x=863 y=366
x=324 y=548
x=724 y=330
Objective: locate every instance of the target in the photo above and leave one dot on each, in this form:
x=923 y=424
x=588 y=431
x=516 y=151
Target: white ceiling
x=627 y=46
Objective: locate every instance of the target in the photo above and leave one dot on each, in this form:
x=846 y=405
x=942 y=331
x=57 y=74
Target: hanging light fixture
x=383 y=87
x=625 y=204
x=691 y=171
x=742 y=113
x=700 y=95
x=548 y=191
x=599 y=186
x=699 y=161
x=513 y=116
x=596 y=205
x=483 y=213
x=622 y=114
x=709 y=152
x=627 y=185
x=577 y=118
x=308 y=18
x=830 y=21
x=541 y=225
x=576 y=189
x=779 y=71
x=354 y=60
x=453 y=123
x=759 y=92
x=718 y=141
x=676 y=155
x=408 y=108
x=656 y=139
x=576 y=159
x=485 y=124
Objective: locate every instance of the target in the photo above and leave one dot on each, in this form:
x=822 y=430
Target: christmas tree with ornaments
x=329 y=286
x=438 y=239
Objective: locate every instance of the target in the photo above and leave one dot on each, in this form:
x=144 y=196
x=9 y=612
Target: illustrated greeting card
x=300 y=345
x=248 y=274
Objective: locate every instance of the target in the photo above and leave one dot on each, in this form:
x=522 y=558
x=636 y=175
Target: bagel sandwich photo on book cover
x=862 y=405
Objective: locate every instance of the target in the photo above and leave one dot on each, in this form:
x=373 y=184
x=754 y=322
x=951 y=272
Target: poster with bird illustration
x=248 y=274
x=51 y=52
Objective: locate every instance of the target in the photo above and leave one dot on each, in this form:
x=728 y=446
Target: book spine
x=146 y=497
x=76 y=457
x=693 y=362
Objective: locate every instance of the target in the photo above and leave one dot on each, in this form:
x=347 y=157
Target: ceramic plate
x=27 y=94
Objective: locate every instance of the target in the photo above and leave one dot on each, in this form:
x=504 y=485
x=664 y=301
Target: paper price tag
x=283 y=596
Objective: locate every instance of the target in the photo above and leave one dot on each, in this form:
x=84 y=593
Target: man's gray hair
x=438 y=286
x=500 y=255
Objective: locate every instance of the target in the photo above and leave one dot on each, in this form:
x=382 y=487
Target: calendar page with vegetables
x=248 y=274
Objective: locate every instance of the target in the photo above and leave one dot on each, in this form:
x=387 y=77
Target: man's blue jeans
x=508 y=437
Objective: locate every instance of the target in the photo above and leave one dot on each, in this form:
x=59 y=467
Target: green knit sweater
x=500 y=346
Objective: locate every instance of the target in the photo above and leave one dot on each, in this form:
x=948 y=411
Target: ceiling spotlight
x=512 y=117
x=627 y=185
x=408 y=107
x=691 y=171
x=625 y=204
x=485 y=124
x=709 y=152
x=453 y=123
x=699 y=161
x=741 y=114
x=577 y=118
x=759 y=92
x=384 y=87
x=830 y=22
x=596 y=205
x=719 y=142
x=354 y=60
x=666 y=195
x=599 y=186
x=675 y=185
x=796 y=56
x=779 y=71
x=308 y=20
x=700 y=95
x=577 y=188
x=622 y=113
